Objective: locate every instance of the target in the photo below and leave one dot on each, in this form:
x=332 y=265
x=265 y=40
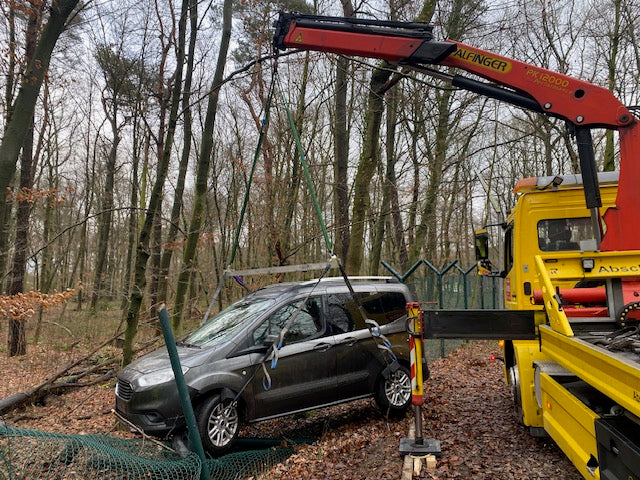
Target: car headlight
x=159 y=376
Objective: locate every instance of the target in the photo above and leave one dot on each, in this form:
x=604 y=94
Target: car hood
x=159 y=359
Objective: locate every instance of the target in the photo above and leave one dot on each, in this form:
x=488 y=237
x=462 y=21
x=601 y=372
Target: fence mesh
x=449 y=287
x=30 y=454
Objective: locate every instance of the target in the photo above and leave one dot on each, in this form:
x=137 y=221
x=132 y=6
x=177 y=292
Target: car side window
x=307 y=324
x=340 y=312
x=383 y=307
x=393 y=305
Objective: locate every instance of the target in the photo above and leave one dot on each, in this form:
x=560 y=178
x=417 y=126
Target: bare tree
x=17 y=129
x=202 y=174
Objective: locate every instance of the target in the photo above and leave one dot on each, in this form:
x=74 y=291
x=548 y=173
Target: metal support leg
x=418 y=445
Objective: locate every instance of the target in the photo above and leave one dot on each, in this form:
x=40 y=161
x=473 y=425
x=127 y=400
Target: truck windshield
x=225 y=324
x=562 y=234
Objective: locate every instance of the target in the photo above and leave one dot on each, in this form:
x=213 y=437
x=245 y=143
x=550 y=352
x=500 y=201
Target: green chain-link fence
x=29 y=454
x=449 y=287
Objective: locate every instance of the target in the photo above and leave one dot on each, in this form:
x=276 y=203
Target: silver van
x=328 y=354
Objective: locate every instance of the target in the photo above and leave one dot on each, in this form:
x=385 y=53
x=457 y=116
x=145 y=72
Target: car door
x=359 y=360
x=305 y=373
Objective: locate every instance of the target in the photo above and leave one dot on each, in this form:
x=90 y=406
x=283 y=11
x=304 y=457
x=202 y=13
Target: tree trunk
x=341 y=142
x=186 y=151
x=387 y=185
x=369 y=157
x=367 y=165
x=9 y=92
x=132 y=226
x=154 y=265
x=426 y=230
x=202 y=171
x=609 y=150
x=46 y=274
x=17 y=343
x=142 y=249
x=341 y=150
x=293 y=189
x=105 y=219
x=24 y=106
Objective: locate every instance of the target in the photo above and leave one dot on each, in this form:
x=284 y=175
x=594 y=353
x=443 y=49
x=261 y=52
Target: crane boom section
x=575 y=100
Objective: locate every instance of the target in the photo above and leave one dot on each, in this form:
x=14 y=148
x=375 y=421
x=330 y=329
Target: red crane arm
x=575 y=100
x=412 y=44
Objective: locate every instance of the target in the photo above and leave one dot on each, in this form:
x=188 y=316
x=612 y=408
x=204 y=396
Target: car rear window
x=383 y=307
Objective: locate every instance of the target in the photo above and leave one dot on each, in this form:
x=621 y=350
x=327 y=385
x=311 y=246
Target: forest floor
x=467 y=407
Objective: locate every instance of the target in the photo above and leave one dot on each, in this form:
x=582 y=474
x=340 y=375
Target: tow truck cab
x=549 y=216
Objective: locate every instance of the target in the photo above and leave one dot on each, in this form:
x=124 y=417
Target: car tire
x=393 y=394
x=218 y=423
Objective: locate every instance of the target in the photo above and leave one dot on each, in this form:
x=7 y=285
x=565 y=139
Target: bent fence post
x=185 y=400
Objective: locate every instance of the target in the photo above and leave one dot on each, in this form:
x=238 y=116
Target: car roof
x=293 y=288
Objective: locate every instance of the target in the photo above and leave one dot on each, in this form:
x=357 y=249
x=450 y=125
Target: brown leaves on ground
x=467 y=407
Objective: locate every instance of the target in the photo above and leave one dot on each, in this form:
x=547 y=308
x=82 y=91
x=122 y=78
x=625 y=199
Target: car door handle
x=322 y=347
x=349 y=341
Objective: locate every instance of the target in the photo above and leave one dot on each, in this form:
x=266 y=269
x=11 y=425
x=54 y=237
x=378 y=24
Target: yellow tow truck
x=579 y=379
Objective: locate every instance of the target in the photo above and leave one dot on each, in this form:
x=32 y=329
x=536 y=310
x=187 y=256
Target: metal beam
x=303 y=267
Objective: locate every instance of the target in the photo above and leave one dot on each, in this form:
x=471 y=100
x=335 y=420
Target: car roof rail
x=356 y=278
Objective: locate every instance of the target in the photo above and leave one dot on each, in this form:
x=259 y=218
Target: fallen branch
x=104 y=411
x=49 y=386
x=141 y=432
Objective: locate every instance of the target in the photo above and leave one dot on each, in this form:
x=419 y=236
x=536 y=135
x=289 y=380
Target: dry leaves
x=22 y=305
x=468 y=408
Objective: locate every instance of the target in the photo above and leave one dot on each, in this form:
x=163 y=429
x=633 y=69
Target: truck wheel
x=394 y=393
x=218 y=422
x=514 y=386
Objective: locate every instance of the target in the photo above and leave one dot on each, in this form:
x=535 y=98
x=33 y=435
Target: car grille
x=125 y=391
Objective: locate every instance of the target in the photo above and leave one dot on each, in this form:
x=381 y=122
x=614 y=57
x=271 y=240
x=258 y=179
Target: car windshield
x=226 y=323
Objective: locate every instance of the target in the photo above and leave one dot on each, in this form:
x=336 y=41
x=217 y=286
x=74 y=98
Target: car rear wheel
x=218 y=424
x=394 y=392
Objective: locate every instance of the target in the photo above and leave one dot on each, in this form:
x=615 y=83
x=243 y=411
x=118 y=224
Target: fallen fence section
x=44 y=455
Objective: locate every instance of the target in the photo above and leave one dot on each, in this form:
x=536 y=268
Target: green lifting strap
x=305 y=167
x=303 y=161
x=263 y=132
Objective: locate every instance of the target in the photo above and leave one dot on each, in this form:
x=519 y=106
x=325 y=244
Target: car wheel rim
x=223 y=424
x=397 y=388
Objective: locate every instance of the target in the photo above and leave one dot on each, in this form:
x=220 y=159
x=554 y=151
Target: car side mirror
x=271 y=340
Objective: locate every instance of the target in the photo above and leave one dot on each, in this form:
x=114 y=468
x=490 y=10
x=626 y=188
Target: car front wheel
x=218 y=424
x=394 y=392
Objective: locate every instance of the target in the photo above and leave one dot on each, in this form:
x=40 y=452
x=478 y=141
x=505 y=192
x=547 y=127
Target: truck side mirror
x=482 y=244
x=482 y=252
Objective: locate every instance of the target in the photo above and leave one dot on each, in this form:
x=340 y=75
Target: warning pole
x=417 y=445
x=415 y=345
